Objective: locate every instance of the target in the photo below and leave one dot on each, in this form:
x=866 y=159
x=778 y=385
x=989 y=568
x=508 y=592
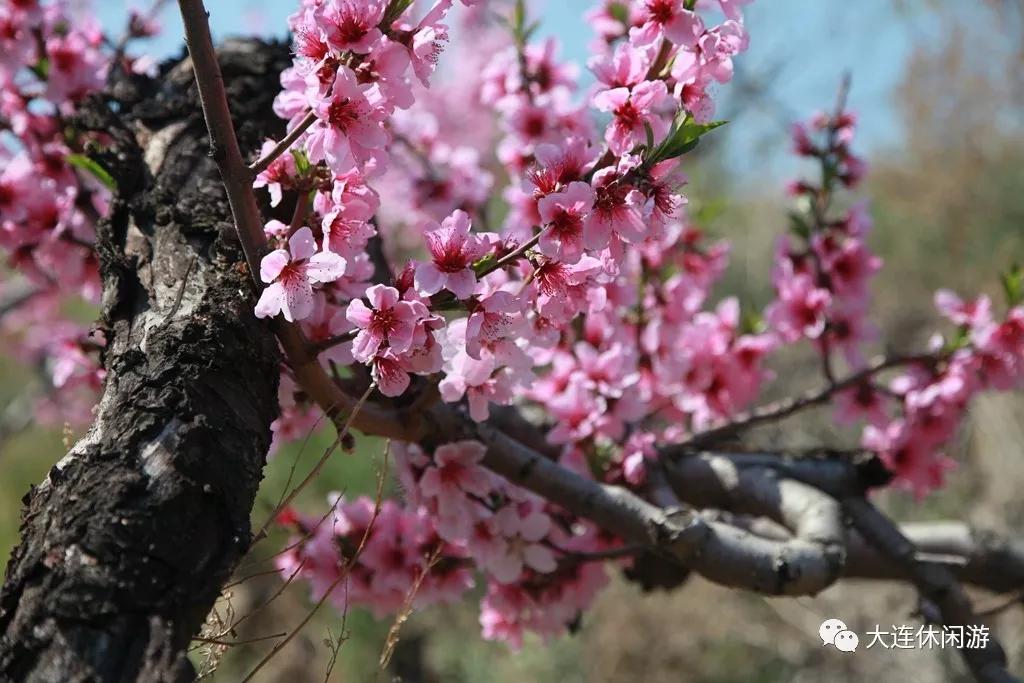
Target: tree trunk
x=125 y=545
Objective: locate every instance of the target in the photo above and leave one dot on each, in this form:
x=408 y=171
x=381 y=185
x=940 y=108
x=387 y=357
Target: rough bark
x=125 y=545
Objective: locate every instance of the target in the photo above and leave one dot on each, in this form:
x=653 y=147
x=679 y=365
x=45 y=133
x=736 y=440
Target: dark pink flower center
x=534 y=125
x=628 y=115
x=566 y=224
x=292 y=273
x=449 y=257
x=384 y=322
x=343 y=113
x=63 y=59
x=661 y=11
x=351 y=29
x=309 y=44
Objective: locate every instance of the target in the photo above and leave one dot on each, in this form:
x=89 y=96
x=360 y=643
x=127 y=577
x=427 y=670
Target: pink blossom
x=671 y=18
x=911 y=461
x=618 y=210
x=291 y=275
x=349 y=123
x=351 y=25
x=976 y=314
x=387 y=321
x=457 y=482
x=564 y=215
x=800 y=310
x=453 y=250
x=632 y=109
x=521 y=528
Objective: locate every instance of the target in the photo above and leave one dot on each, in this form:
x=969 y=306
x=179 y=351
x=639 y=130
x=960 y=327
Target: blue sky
x=806 y=44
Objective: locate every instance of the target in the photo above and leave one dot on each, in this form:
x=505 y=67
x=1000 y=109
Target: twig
x=281 y=147
x=336 y=340
x=512 y=256
x=232 y=643
x=249 y=226
x=320 y=463
x=342 y=575
x=785 y=408
x=407 y=606
x=935 y=582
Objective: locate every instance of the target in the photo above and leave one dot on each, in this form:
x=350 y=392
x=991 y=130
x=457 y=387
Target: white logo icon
x=834 y=632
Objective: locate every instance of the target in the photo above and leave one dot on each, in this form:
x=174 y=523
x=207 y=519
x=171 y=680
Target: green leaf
x=751 y=322
x=396 y=8
x=519 y=19
x=302 y=164
x=93 y=167
x=682 y=138
x=961 y=341
x=530 y=30
x=484 y=263
x=41 y=69
x=650 y=135
x=619 y=12
x=1013 y=285
x=799 y=226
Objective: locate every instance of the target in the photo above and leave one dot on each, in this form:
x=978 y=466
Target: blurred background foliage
x=946 y=189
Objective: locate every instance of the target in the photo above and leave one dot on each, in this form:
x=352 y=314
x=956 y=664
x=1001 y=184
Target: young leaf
x=1013 y=285
x=619 y=12
x=92 y=167
x=682 y=138
x=799 y=226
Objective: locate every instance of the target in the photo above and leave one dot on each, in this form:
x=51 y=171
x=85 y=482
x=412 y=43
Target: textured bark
x=125 y=545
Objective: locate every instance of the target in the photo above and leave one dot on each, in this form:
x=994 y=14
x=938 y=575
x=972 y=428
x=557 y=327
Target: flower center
x=343 y=113
x=566 y=223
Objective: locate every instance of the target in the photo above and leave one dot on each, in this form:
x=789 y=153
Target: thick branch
x=937 y=584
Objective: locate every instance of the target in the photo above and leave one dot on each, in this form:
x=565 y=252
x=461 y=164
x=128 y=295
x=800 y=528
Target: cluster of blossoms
x=545 y=306
x=822 y=287
x=52 y=56
x=915 y=417
x=378 y=553
x=590 y=300
x=458 y=516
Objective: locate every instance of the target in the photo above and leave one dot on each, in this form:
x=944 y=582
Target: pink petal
x=540 y=558
x=298 y=300
x=358 y=314
x=428 y=280
x=270 y=301
x=535 y=526
x=391 y=379
x=272 y=265
x=610 y=100
x=325 y=267
x=462 y=283
x=382 y=297
x=479 y=406
x=302 y=245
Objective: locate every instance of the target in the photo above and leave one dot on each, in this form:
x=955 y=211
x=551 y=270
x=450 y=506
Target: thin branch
x=342 y=576
x=232 y=643
x=319 y=466
x=512 y=256
x=787 y=407
x=249 y=227
x=18 y=299
x=336 y=340
x=281 y=147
